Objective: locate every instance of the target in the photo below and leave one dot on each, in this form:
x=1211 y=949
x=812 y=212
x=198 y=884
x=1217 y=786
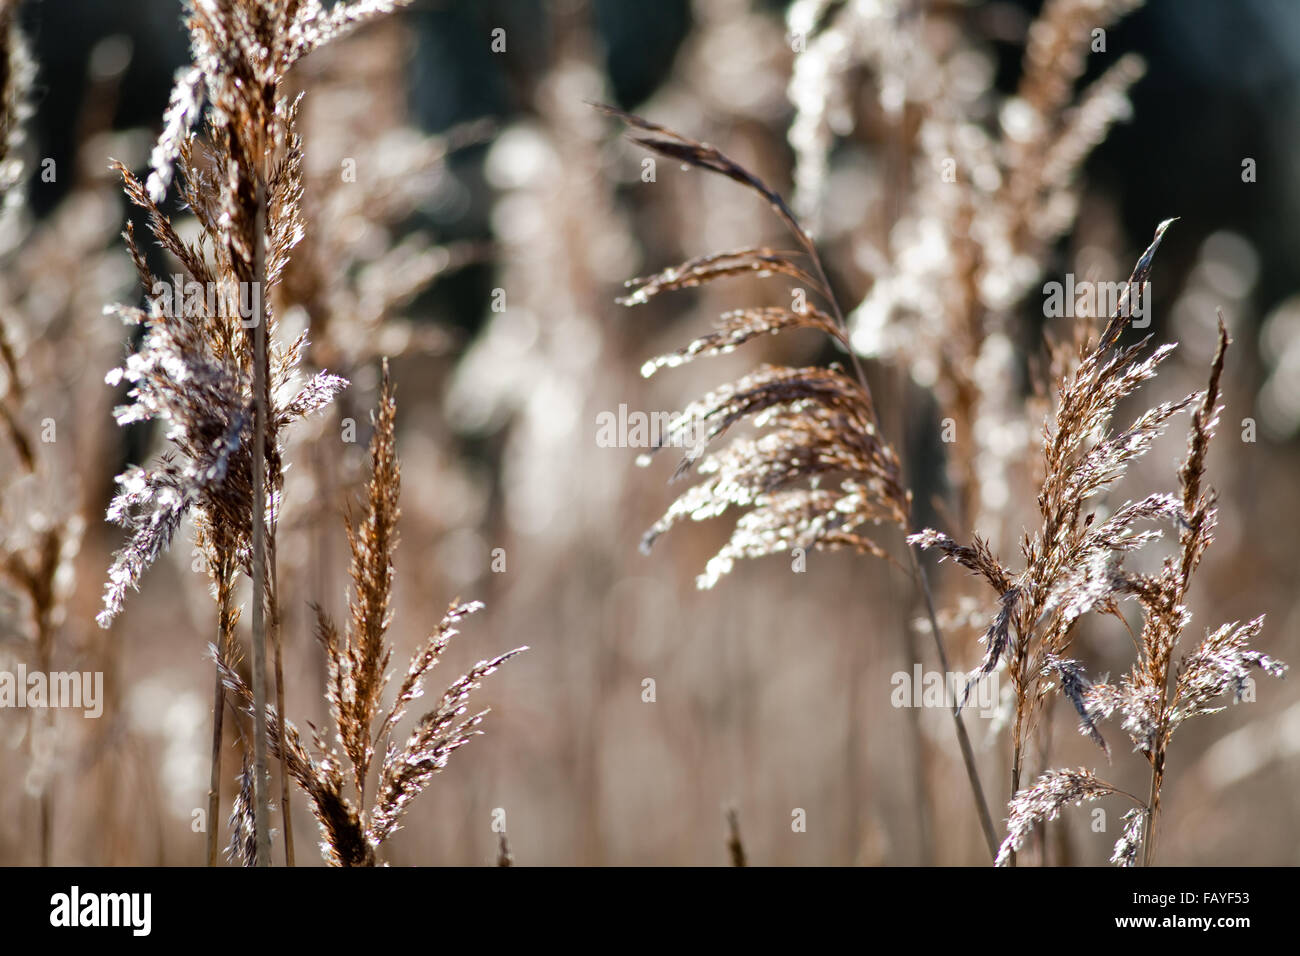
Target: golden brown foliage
x=357 y=665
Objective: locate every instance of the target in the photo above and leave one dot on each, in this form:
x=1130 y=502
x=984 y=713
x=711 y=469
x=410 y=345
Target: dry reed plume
x=358 y=673
x=821 y=474
x=1156 y=696
x=1073 y=565
x=210 y=366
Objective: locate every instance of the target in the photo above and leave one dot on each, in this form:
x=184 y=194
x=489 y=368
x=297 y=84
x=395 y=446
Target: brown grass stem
x=286 y=814
x=963 y=739
x=218 y=711
x=261 y=799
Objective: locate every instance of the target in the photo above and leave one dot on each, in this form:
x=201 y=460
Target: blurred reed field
x=955 y=215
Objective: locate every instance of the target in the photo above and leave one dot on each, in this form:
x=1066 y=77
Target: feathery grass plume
x=822 y=421
x=16 y=74
x=832 y=41
x=978 y=186
x=361 y=663
x=1073 y=565
x=17 y=71
x=242 y=847
x=1044 y=801
x=213 y=369
x=821 y=473
x=1150 y=707
x=1126 y=847
x=357 y=664
x=1071 y=561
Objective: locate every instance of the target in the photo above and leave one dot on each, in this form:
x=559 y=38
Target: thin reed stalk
x=828 y=423
x=217 y=376
x=959 y=725
x=918 y=571
x=357 y=676
x=225 y=638
x=261 y=799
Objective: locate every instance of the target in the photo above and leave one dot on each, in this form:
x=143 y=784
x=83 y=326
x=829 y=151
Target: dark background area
x=1222 y=84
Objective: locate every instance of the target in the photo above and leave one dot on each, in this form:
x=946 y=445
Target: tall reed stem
x=916 y=734
x=963 y=739
x=45 y=661
x=261 y=799
x=1153 y=807
x=912 y=654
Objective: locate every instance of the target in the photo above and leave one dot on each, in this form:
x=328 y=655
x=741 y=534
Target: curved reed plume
x=357 y=662
x=822 y=473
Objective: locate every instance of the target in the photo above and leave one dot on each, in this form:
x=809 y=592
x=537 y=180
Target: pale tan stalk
x=224 y=640
x=261 y=799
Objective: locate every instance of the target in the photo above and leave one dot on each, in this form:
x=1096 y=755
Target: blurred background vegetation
x=773 y=689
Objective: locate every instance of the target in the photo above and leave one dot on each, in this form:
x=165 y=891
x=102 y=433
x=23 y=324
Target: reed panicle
x=210 y=366
x=979 y=185
x=1054 y=790
x=357 y=663
x=822 y=421
x=1156 y=696
x=17 y=71
x=820 y=474
x=1074 y=564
